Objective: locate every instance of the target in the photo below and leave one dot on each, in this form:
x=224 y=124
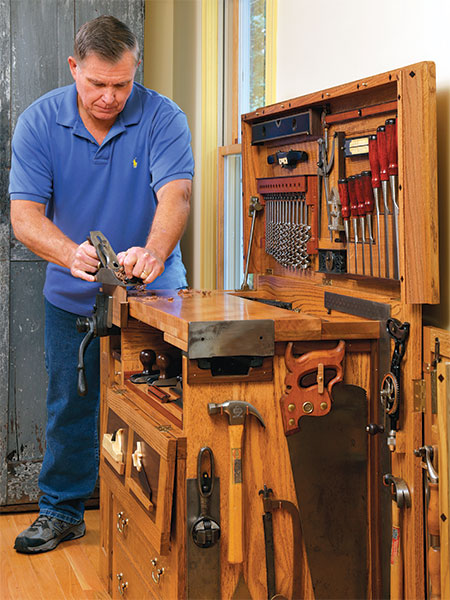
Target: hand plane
x=110 y=271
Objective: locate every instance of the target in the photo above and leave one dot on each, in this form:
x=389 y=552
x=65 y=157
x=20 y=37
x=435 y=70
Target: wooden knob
x=163 y=363
x=147 y=358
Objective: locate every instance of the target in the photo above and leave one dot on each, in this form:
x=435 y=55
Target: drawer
x=127 y=581
x=159 y=572
x=152 y=452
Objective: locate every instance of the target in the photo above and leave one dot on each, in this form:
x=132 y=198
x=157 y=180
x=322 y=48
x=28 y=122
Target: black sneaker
x=46 y=533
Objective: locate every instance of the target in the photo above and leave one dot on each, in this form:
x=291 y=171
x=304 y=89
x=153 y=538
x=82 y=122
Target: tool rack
x=322 y=350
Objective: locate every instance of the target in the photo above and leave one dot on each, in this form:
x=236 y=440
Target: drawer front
x=127 y=582
x=159 y=572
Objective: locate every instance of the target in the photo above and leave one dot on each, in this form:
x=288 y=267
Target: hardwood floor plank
x=70 y=572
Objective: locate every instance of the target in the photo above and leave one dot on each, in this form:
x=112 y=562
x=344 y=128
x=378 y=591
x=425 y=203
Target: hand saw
x=324 y=423
x=111 y=271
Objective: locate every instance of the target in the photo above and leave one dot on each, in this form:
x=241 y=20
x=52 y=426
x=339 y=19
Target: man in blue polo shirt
x=102 y=154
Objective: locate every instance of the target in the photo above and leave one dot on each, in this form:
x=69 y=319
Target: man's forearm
x=39 y=234
x=170 y=218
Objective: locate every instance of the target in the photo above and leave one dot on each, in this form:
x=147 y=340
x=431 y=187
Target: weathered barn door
x=36 y=37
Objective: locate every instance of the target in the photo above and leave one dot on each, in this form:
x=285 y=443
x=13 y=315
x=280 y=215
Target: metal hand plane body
x=111 y=271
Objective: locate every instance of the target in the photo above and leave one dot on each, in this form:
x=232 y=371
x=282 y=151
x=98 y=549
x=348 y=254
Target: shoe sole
x=74 y=534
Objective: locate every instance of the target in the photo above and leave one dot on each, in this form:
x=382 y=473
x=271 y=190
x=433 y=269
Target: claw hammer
x=236 y=411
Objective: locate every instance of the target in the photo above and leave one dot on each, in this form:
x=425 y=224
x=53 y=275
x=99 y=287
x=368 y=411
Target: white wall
x=328 y=42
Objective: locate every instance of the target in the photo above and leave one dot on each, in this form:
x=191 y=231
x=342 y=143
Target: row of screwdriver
x=360 y=194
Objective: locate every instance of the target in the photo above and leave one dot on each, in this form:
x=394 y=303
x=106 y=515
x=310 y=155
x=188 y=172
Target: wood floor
x=70 y=572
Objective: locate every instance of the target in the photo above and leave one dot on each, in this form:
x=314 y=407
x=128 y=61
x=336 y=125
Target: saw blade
x=329 y=464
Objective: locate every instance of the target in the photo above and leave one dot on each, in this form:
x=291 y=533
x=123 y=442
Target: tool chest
x=284 y=440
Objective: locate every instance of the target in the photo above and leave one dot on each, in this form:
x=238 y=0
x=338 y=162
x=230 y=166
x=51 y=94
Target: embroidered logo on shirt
x=134 y=163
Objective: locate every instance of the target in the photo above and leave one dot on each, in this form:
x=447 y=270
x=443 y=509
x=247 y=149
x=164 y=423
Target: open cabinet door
x=435 y=454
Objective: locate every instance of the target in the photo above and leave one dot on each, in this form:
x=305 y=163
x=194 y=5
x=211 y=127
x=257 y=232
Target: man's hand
x=142 y=263
x=84 y=262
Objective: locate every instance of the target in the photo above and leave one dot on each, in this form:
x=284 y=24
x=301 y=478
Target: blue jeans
x=70 y=466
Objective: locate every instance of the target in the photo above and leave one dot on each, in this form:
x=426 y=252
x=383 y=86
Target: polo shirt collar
x=68 y=114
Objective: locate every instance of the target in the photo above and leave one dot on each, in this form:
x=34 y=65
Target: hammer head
x=236 y=411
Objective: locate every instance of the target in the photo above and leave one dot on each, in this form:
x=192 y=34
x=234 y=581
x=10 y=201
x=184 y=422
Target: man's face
x=103 y=87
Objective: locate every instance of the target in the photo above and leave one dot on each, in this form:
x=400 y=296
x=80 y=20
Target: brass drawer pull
x=122 y=584
x=159 y=572
x=121 y=522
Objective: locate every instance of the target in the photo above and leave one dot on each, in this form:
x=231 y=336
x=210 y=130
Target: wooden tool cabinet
x=150 y=446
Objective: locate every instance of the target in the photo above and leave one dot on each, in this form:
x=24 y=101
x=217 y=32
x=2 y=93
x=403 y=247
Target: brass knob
x=291 y=407
x=323 y=405
x=122 y=584
x=121 y=522
x=159 y=572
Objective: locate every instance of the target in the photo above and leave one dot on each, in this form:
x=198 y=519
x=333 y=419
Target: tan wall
x=172 y=66
x=325 y=43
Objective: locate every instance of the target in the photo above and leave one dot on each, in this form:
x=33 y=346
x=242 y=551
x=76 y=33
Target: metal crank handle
x=82 y=325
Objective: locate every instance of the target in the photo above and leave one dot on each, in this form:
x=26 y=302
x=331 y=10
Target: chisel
x=384 y=176
x=391 y=137
x=368 y=205
x=345 y=207
x=361 y=214
x=376 y=184
x=354 y=213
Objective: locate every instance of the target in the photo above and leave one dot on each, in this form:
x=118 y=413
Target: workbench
x=324 y=494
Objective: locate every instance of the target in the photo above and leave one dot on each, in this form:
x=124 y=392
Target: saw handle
x=235 y=517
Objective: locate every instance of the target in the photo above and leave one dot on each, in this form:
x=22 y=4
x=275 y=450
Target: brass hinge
x=419 y=395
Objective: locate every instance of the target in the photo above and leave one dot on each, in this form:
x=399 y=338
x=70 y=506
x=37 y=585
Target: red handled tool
x=368 y=206
x=376 y=184
x=361 y=214
x=384 y=176
x=391 y=137
x=351 y=184
x=345 y=207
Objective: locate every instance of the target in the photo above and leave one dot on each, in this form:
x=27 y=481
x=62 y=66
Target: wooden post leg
x=235 y=520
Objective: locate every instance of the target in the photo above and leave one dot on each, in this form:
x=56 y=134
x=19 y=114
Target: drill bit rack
x=290 y=221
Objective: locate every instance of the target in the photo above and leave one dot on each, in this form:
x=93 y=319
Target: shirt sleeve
x=31 y=173
x=170 y=150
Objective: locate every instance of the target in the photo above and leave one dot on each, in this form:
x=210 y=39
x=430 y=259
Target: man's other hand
x=142 y=263
x=85 y=262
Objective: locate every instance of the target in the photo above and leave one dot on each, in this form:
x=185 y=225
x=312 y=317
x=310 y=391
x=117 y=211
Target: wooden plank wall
x=35 y=40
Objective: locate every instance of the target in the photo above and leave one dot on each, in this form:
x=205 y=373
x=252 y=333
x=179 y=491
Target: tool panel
x=361 y=202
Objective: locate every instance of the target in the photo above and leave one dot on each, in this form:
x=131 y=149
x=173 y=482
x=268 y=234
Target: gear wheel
x=390 y=392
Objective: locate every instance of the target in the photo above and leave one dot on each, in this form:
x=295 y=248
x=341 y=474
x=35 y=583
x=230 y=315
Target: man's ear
x=72 y=66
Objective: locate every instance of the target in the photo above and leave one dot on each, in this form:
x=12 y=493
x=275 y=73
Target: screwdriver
x=384 y=176
x=354 y=213
x=376 y=184
x=345 y=207
x=391 y=136
x=361 y=214
x=368 y=205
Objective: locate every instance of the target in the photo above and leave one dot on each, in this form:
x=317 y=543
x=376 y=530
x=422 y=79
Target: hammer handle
x=396 y=555
x=235 y=521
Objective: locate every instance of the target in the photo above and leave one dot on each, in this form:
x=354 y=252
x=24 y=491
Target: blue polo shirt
x=111 y=188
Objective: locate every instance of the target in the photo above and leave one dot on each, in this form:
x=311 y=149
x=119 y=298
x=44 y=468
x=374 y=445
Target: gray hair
x=107 y=37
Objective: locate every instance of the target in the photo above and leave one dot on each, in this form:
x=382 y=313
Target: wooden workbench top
x=172 y=312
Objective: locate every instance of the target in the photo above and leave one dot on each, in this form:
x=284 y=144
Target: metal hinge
x=420 y=395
